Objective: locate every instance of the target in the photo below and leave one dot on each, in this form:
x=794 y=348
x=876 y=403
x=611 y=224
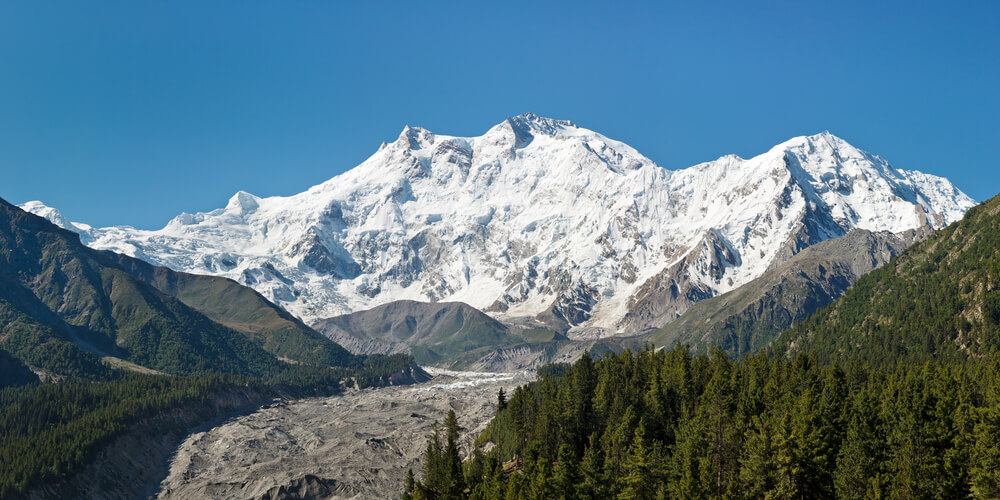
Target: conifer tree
x=641 y=474
x=567 y=474
x=859 y=465
x=454 y=482
x=758 y=471
x=986 y=471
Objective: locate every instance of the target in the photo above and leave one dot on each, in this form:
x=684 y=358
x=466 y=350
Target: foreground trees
x=669 y=424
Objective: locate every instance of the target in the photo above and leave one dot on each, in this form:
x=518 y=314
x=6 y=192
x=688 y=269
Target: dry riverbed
x=358 y=445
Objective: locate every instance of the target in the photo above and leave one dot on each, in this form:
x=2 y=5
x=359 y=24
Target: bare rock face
x=358 y=445
x=744 y=320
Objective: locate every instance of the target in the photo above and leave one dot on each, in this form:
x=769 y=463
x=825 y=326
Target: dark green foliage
x=444 y=477
x=671 y=424
x=32 y=343
x=13 y=372
x=552 y=370
x=51 y=430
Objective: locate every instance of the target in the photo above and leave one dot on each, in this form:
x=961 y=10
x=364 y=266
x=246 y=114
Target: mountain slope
x=938 y=299
x=64 y=304
x=748 y=318
x=539 y=219
x=433 y=332
x=242 y=309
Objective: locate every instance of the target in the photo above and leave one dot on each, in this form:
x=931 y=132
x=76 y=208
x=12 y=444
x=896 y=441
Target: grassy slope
x=240 y=308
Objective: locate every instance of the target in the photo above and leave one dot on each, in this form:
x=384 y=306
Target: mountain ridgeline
x=539 y=221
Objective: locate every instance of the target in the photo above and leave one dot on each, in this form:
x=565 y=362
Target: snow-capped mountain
x=539 y=218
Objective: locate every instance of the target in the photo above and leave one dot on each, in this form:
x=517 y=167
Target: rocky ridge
x=539 y=219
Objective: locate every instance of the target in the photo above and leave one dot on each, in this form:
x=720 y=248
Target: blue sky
x=132 y=112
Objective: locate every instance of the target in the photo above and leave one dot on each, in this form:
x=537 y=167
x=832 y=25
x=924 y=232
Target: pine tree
x=859 y=466
x=454 y=482
x=594 y=485
x=435 y=465
x=758 y=471
x=786 y=461
x=642 y=469
x=985 y=472
x=409 y=485
x=567 y=473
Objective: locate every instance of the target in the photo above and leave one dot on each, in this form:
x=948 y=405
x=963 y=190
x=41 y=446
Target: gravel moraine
x=358 y=445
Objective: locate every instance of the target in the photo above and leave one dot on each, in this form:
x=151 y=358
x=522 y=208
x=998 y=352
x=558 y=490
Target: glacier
x=539 y=221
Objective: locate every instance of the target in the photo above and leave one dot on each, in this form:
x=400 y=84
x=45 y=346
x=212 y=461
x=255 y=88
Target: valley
x=499 y=251
x=356 y=445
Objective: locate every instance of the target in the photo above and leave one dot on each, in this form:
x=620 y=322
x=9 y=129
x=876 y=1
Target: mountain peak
x=243 y=202
x=53 y=215
x=536 y=214
x=412 y=138
x=823 y=142
x=532 y=124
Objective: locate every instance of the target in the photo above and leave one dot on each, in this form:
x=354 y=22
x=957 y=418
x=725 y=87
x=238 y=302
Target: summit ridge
x=543 y=221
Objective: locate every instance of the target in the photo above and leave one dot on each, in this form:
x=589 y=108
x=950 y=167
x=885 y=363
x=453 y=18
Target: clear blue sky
x=132 y=112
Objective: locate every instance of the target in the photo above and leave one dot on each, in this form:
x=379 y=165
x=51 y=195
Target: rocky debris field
x=358 y=445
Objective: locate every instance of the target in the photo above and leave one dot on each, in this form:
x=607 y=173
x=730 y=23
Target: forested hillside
x=938 y=300
x=48 y=432
x=13 y=371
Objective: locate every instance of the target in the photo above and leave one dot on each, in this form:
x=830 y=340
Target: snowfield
x=539 y=218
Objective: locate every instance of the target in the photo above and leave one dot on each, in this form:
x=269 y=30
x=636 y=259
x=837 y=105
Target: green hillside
x=13 y=372
x=240 y=308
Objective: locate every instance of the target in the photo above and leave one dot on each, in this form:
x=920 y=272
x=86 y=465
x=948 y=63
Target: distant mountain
x=434 y=332
x=539 y=220
x=63 y=306
x=938 y=299
x=746 y=319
